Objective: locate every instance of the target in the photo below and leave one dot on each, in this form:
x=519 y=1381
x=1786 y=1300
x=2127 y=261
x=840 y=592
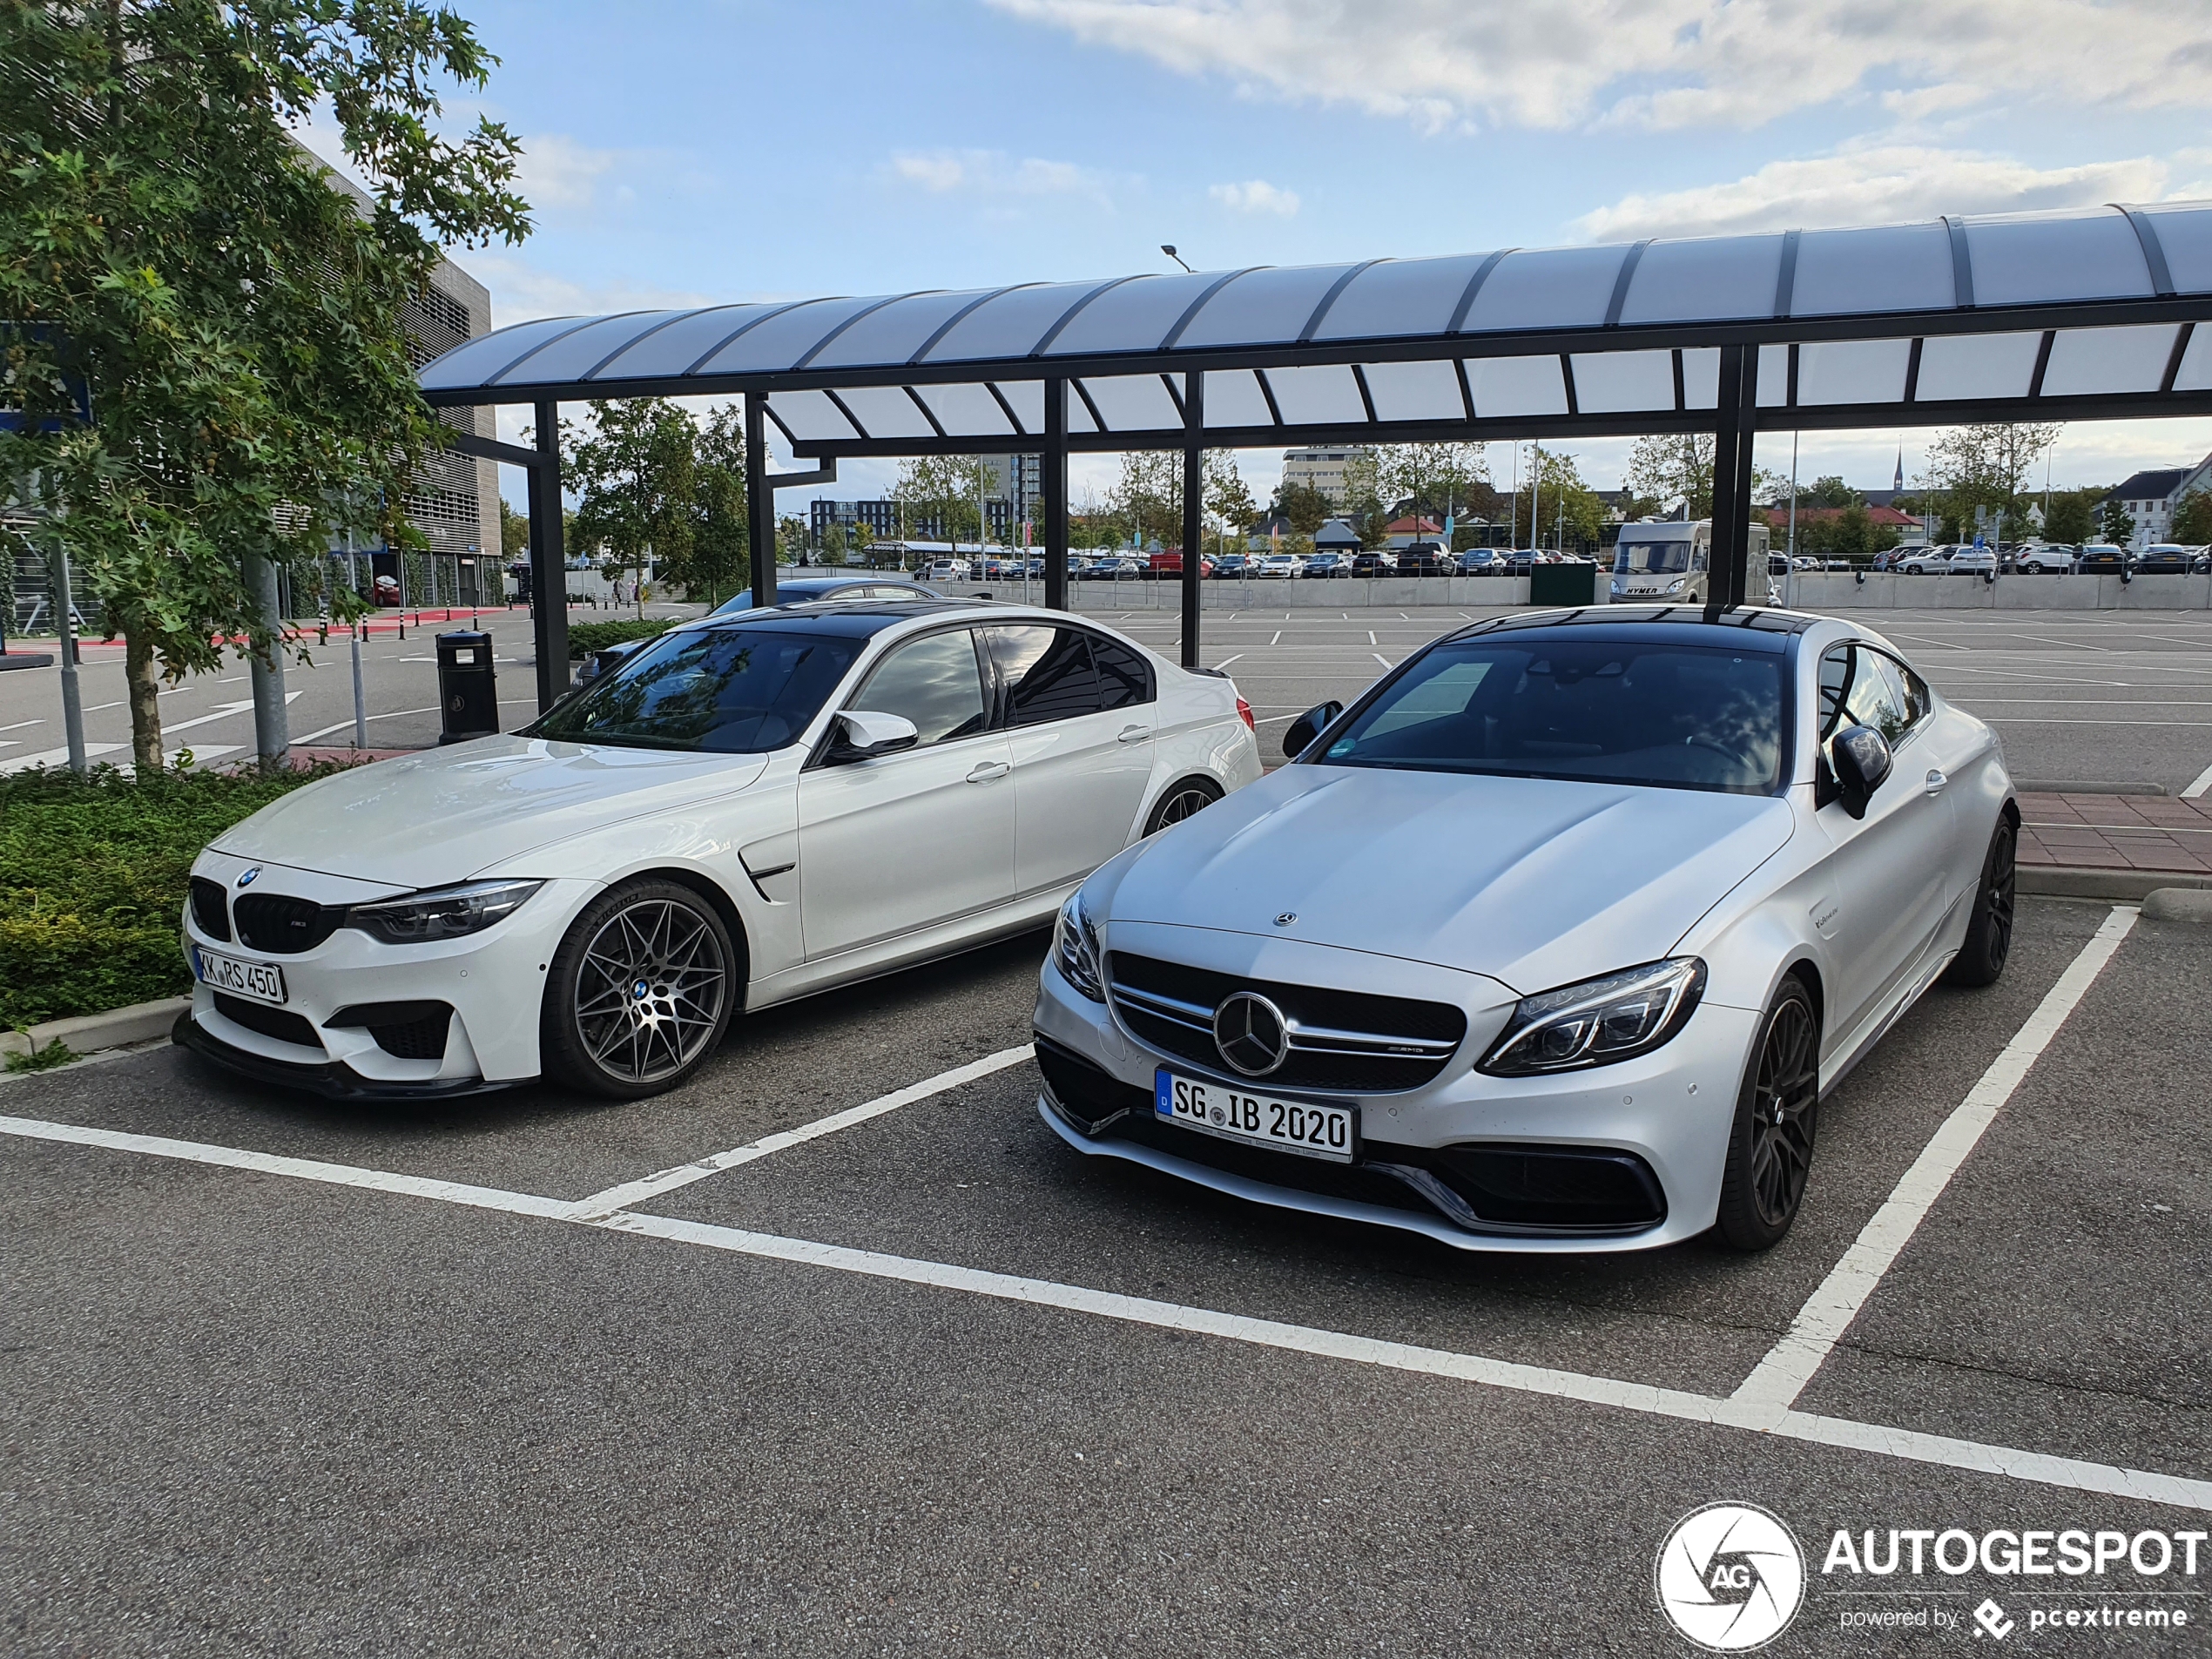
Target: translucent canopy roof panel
x=1999 y=312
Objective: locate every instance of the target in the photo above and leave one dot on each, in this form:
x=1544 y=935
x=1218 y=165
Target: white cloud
x=1877 y=185
x=557 y=171
x=1256 y=196
x=521 y=291
x=1664 y=63
x=993 y=173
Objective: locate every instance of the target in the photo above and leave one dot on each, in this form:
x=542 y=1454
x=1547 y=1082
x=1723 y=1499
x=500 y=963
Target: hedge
x=584 y=638
x=93 y=882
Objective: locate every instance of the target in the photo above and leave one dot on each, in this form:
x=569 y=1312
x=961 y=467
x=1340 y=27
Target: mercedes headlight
x=1599 y=1021
x=447 y=913
x=1074 y=949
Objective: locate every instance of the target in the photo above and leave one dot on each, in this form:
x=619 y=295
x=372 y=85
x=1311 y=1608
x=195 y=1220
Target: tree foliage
x=2192 y=524
x=2117 y=525
x=2071 y=518
x=634 y=469
x=1440 y=480
x=1561 y=504
x=1665 y=467
x=718 y=560
x=205 y=347
x=1985 y=467
x=1306 y=507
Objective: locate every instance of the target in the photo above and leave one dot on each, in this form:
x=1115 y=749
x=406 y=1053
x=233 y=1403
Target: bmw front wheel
x=1184 y=800
x=639 y=993
x=1770 y=1144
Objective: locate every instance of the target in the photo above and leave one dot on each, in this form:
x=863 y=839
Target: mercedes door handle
x=1134 y=734
x=988 y=771
x=1936 y=780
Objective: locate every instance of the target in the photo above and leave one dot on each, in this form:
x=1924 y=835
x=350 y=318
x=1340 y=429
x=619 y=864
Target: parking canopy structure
x=2081 y=315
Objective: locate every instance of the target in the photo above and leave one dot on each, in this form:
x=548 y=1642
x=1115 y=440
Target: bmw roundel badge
x=245 y=877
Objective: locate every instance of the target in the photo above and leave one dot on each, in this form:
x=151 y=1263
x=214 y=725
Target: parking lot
x=838 y=1349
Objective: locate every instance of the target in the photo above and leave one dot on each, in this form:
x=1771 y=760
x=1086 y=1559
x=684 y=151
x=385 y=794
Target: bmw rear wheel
x=639 y=993
x=1183 y=799
x=1770 y=1144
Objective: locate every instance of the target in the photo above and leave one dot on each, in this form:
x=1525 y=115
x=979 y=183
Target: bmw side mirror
x=1861 y=757
x=1309 y=725
x=862 y=735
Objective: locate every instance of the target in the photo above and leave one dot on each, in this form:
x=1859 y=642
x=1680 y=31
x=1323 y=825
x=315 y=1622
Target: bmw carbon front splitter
x=334 y=1079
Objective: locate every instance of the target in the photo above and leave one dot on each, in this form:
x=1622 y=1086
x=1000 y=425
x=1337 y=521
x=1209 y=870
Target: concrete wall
x=1343 y=593
x=1836 y=591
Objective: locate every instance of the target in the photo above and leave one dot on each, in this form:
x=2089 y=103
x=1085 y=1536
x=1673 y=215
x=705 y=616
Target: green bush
x=584 y=638
x=93 y=882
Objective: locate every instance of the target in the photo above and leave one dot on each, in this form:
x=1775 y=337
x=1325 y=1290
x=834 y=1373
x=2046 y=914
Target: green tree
x=2192 y=519
x=1663 y=468
x=2071 y=519
x=1305 y=507
x=514 y=531
x=1440 y=480
x=635 y=473
x=1229 y=499
x=718 y=560
x=2119 y=524
x=1146 y=501
x=1829 y=491
x=1986 y=467
x=1562 y=504
x=940 y=493
x=205 y=336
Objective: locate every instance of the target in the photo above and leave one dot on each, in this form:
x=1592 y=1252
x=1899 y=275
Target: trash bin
x=467 y=692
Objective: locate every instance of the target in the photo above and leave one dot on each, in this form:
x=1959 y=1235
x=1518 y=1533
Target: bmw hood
x=1534 y=882
x=439 y=817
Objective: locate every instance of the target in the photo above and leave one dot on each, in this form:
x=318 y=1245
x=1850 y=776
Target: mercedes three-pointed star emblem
x=1251 y=1033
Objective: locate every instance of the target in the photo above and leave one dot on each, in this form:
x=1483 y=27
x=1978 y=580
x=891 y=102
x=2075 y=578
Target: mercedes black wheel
x=1770 y=1144
x=1191 y=796
x=640 y=992
x=1989 y=929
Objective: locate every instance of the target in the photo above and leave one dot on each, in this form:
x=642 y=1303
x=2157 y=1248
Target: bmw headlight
x=447 y=913
x=1074 y=949
x=1599 y=1021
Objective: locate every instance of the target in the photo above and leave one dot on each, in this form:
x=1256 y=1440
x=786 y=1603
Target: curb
x=88 y=1032
x=2064 y=881
x=2179 y=904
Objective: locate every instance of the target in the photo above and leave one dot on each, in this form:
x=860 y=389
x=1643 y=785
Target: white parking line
x=2203 y=782
x=1755 y=1417
x=1828 y=1313
x=651 y=1186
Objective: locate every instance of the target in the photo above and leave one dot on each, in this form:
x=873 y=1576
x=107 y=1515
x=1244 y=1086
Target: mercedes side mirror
x=1861 y=757
x=1309 y=725
x=862 y=735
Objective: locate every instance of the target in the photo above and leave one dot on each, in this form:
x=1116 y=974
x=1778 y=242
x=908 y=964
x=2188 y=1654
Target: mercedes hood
x=428 y=820
x=1529 y=881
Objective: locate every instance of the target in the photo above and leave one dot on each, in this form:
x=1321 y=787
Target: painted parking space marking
x=1828 y=1313
x=651 y=1186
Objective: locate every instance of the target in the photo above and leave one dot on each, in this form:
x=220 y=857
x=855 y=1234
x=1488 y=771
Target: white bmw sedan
x=752 y=809
x=1551 y=941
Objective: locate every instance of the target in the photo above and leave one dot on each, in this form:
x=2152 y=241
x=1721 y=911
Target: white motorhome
x=1672 y=560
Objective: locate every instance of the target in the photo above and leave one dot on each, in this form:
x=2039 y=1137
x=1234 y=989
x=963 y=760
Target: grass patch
x=56 y=1053
x=584 y=638
x=93 y=882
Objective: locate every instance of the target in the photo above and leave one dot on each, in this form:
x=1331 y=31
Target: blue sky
x=697 y=150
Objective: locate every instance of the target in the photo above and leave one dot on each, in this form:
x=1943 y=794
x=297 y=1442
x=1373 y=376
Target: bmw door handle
x=1133 y=734
x=988 y=771
x=1936 y=780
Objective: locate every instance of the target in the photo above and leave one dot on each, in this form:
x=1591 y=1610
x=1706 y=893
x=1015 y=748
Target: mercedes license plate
x=1288 y=1125
x=262 y=981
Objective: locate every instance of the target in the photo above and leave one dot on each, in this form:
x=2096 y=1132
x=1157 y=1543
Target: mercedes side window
x=1048 y=672
x=936 y=682
x=1124 y=678
x=1868 y=691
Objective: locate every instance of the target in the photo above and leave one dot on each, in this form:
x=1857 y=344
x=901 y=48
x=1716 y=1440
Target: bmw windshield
x=1614 y=710
x=737 y=691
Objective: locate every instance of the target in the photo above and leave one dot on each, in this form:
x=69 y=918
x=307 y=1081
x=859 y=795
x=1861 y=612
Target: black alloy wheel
x=1770 y=1147
x=640 y=992
x=1183 y=799
x=1989 y=930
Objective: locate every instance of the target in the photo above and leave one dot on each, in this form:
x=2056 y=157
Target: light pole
x=1167 y=248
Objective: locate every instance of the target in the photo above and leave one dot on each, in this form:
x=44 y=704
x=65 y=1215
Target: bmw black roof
x=1672 y=624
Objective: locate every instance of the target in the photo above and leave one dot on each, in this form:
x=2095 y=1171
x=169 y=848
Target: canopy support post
x=1734 y=439
x=1055 y=493
x=1194 y=496
x=760 y=500
x=549 y=561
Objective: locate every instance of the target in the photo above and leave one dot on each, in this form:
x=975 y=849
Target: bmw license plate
x=1288 y=1125
x=261 y=982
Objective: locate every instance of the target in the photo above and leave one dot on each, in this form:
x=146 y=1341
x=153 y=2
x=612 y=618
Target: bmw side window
x=1124 y=678
x=936 y=682
x=1048 y=673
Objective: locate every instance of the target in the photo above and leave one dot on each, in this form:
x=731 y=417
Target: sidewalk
x=2116 y=834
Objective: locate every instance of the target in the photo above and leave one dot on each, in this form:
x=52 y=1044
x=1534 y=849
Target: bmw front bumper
x=1617 y=1157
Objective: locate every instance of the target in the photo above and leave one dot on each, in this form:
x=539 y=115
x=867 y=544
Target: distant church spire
x=1897 y=482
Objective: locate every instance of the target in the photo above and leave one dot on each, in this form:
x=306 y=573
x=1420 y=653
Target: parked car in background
x=1373 y=561
x=1924 y=561
x=1231 y=564
x=1168 y=566
x=2044 y=559
x=946 y=570
x=1482 y=561
x=1427 y=558
x=2103 y=558
x=2163 y=559
x=1327 y=564
x=1280 y=565
x=1974 y=561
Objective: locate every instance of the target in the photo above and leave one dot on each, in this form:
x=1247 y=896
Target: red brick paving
x=2117 y=833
